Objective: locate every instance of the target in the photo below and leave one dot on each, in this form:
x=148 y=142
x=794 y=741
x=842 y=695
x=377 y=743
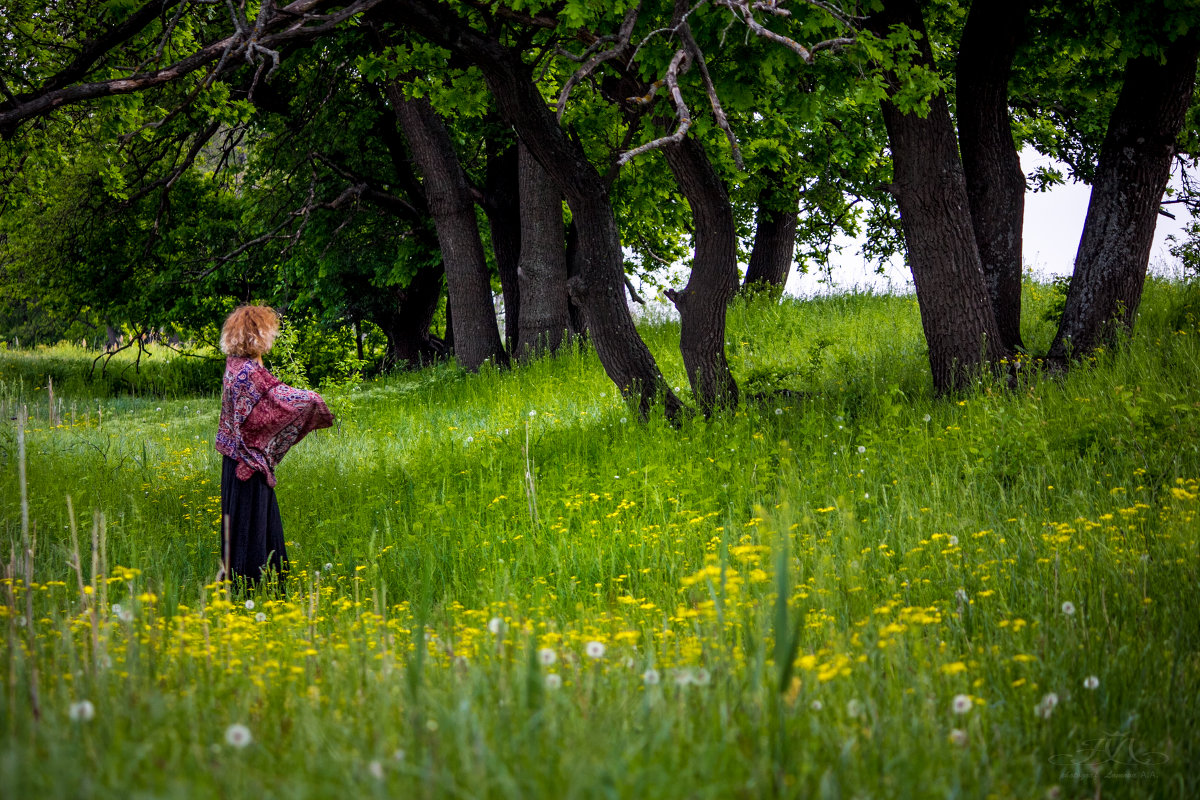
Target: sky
x=1053 y=225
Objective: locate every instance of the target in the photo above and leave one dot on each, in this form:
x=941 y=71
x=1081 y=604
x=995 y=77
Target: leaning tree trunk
x=502 y=206
x=774 y=237
x=995 y=181
x=713 y=280
x=476 y=334
x=599 y=286
x=1132 y=173
x=928 y=182
x=543 y=266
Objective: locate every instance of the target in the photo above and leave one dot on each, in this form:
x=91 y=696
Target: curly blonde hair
x=249 y=331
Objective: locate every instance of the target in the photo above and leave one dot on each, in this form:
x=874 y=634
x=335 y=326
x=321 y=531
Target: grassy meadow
x=506 y=586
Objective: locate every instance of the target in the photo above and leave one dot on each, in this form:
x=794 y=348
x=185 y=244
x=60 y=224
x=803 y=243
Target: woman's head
x=249 y=331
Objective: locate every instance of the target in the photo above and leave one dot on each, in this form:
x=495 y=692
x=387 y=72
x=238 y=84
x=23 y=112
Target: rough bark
x=599 y=285
x=774 y=238
x=476 y=333
x=930 y=188
x=542 y=271
x=1131 y=175
x=502 y=206
x=713 y=279
x=995 y=181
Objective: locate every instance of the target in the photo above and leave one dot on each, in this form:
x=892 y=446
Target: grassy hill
x=505 y=585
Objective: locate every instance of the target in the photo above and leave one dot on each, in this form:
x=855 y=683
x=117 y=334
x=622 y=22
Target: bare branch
x=680 y=62
x=714 y=101
x=294 y=21
x=622 y=43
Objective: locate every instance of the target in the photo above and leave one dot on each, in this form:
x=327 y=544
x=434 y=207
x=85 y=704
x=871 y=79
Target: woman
x=261 y=417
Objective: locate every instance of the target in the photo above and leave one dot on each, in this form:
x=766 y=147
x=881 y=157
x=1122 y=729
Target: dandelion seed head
x=81 y=711
x=1068 y=608
x=926 y=418
x=1091 y=682
x=778 y=412
x=651 y=677
x=250 y=605
x=861 y=449
x=260 y=617
x=854 y=708
x=554 y=681
x=238 y=735
x=126 y=615
x=496 y=625
x=961 y=703
x=961 y=595
x=1046 y=706
x=816 y=705
x=328 y=566
x=958 y=737
x=954 y=541
x=594 y=649
x=546 y=656
x=376 y=770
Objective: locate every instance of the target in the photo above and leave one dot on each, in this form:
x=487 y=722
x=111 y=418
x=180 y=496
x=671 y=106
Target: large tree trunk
x=476 y=333
x=995 y=182
x=599 y=286
x=542 y=272
x=406 y=319
x=502 y=206
x=928 y=182
x=713 y=280
x=774 y=237
x=1132 y=173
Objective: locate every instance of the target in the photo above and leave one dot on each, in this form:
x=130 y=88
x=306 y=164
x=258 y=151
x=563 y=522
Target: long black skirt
x=251 y=527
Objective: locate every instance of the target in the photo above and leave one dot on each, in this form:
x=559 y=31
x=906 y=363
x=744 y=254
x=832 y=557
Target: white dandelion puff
x=778 y=412
x=961 y=703
x=1091 y=682
x=954 y=541
x=854 y=708
x=554 y=681
x=376 y=770
x=260 y=617
x=926 y=418
x=81 y=711
x=958 y=737
x=816 y=705
x=594 y=649
x=961 y=595
x=496 y=625
x=1046 y=707
x=238 y=735
x=249 y=605
x=532 y=413
x=328 y=566
x=546 y=656
x=701 y=677
x=651 y=677
x=126 y=615
x=861 y=449
x=1068 y=608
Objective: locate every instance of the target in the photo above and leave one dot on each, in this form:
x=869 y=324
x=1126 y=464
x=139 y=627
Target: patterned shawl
x=261 y=417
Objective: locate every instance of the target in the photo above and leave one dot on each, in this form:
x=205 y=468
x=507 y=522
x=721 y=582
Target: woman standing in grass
x=261 y=417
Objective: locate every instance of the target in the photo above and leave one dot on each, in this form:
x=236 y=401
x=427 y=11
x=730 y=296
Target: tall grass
x=505 y=586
